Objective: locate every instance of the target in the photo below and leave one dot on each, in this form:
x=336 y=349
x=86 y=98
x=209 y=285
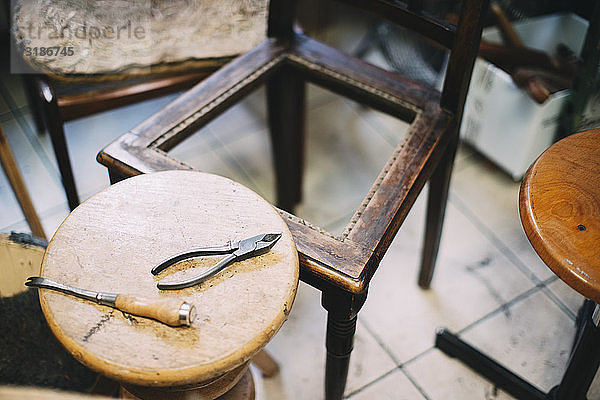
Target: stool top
x=110 y=243
x=559 y=204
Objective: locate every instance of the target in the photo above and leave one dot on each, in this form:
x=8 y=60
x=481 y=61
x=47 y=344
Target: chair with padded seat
x=341 y=267
x=128 y=52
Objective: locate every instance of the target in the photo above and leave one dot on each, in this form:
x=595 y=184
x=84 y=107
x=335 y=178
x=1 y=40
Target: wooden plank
x=427 y=25
x=363 y=82
x=205 y=101
x=82 y=104
x=11 y=169
x=393 y=193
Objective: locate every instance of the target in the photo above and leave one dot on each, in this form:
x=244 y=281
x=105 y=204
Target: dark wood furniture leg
x=33 y=99
x=286 y=109
x=59 y=144
x=439 y=183
x=342 y=313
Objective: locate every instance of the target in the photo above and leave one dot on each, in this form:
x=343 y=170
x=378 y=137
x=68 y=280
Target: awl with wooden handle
x=171 y=311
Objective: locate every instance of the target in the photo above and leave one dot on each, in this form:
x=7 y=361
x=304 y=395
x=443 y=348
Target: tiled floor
x=489 y=285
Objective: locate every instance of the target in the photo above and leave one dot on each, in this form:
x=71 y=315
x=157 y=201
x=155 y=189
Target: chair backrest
x=462 y=39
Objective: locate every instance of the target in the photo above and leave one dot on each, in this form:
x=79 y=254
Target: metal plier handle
x=235 y=251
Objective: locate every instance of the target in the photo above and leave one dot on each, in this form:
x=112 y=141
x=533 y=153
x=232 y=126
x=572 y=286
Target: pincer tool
x=235 y=251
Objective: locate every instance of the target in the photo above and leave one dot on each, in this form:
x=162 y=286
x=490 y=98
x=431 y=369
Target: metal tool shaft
x=106 y=299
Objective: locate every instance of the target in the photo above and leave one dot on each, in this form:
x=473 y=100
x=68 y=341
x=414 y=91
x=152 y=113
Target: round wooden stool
x=559 y=204
x=111 y=242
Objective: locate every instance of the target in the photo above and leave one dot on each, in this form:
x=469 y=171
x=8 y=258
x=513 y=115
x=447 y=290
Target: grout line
x=548 y=292
x=233 y=161
x=380 y=129
x=373 y=382
x=7 y=115
x=380 y=342
x=399 y=365
x=505 y=250
x=503 y=308
x=415 y=383
x=497 y=242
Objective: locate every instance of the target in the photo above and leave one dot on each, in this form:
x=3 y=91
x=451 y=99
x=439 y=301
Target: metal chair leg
x=576 y=380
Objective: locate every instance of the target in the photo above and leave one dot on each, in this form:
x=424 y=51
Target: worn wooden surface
x=559 y=204
x=17 y=263
x=111 y=242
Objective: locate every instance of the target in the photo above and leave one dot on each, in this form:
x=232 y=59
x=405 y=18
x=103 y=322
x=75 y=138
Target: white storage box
x=500 y=119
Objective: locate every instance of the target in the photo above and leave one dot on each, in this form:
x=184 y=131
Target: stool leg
x=285 y=105
x=265 y=363
x=583 y=363
x=454 y=347
x=436 y=209
x=341 y=325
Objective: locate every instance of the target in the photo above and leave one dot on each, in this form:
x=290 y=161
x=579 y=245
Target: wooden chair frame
x=51 y=110
x=341 y=267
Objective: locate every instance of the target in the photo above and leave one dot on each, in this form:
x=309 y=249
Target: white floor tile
x=344 y=156
x=493 y=198
x=394 y=386
x=568 y=296
x=299 y=347
x=444 y=378
x=472 y=278
x=533 y=339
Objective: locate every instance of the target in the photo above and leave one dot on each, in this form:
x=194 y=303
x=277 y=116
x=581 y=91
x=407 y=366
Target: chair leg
x=341 y=325
x=285 y=106
x=34 y=103
x=59 y=144
x=439 y=184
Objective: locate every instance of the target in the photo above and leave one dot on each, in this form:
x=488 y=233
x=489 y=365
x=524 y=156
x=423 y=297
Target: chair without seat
x=341 y=267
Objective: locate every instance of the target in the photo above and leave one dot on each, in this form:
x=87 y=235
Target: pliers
x=236 y=251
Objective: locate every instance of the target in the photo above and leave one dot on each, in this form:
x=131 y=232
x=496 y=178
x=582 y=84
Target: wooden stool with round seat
x=111 y=242
x=559 y=204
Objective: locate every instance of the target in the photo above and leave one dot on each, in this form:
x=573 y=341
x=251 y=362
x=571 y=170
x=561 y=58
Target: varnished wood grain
x=111 y=242
x=163 y=310
x=559 y=204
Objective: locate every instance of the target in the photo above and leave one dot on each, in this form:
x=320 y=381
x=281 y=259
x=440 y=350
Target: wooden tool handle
x=171 y=311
